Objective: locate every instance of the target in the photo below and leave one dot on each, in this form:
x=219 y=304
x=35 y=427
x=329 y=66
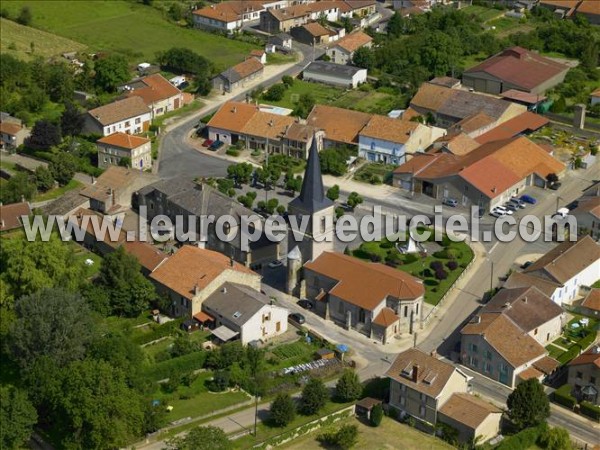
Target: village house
x=12 y=132
x=237 y=76
x=584 y=375
x=590 y=306
x=335 y=74
x=341 y=126
x=130 y=115
x=257 y=129
x=113 y=148
x=11 y=215
x=515 y=68
x=343 y=50
x=562 y=8
x=157 y=93
x=240 y=311
x=231 y=15
x=192 y=274
x=433 y=391
x=391 y=140
x=472 y=112
x=281 y=41
x=372 y=298
x=314 y=33
x=487 y=176
x=587 y=214
x=522 y=125
x=562 y=271
x=184 y=198
x=284 y=19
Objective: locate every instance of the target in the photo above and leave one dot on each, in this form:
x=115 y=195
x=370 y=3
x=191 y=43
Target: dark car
x=296 y=317
x=528 y=199
x=216 y=145
x=555 y=186
x=526 y=264
x=207 y=143
x=574 y=204
x=304 y=303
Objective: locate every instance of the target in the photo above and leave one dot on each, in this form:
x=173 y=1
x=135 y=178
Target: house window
x=422 y=411
x=487 y=367
x=406 y=311
x=422 y=397
x=340 y=308
x=402 y=401
x=579 y=375
x=535 y=332
x=127 y=124
x=138 y=121
x=403 y=387
x=488 y=354
x=473 y=348
x=473 y=361
x=593 y=380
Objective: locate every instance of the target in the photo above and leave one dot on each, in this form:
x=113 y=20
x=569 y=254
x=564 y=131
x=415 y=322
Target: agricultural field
x=370 y=101
x=17 y=41
x=135 y=30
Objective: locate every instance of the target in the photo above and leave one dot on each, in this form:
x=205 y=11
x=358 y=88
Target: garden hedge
x=563 y=397
x=590 y=410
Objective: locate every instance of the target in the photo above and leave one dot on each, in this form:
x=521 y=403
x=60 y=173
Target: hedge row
x=183 y=364
x=563 y=396
x=158 y=331
x=590 y=410
x=523 y=439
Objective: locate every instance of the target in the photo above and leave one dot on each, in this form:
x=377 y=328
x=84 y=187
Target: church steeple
x=312 y=195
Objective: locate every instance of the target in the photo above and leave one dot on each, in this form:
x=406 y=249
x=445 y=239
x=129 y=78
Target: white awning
x=224 y=333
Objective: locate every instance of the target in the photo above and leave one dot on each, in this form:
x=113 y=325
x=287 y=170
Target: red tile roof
x=119 y=110
x=123 y=140
x=589 y=7
x=591 y=356
x=341 y=125
x=233 y=116
x=147 y=255
x=353 y=41
x=10 y=128
x=386 y=317
x=526 y=122
x=388 y=129
x=592 y=300
x=10 y=215
x=520 y=67
x=317 y=30
x=468 y=409
x=524 y=97
x=157 y=88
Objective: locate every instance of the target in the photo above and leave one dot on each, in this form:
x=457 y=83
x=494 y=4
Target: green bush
x=183 y=364
x=523 y=439
x=376 y=415
x=590 y=410
x=232 y=151
x=158 y=332
x=563 y=396
x=410 y=258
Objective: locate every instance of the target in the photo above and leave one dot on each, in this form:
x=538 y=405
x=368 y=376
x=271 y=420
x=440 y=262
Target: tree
x=283 y=410
x=24 y=17
x=201 y=438
x=240 y=173
x=287 y=81
x=59 y=83
x=18 y=187
x=183 y=60
x=292 y=183
x=53 y=323
x=354 y=199
x=275 y=93
x=111 y=71
x=364 y=58
x=305 y=104
x=333 y=193
x=121 y=353
x=552 y=178
x=348 y=387
x=71 y=120
x=17 y=416
x=43 y=179
x=376 y=415
x=272 y=205
x=125 y=162
x=96 y=408
x=333 y=161
x=345 y=437
x=555 y=438
x=63 y=168
x=43 y=136
x=528 y=404
x=314 y=397
x=130 y=292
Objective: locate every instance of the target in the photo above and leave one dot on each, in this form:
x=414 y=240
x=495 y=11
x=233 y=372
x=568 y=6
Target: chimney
x=196 y=289
x=224 y=290
x=234 y=110
x=231 y=262
x=524 y=299
x=415 y=373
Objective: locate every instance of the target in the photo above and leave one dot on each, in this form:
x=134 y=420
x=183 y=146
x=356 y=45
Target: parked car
x=275 y=264
x=304 y=303
x=296 y=317
x=555 y=186
x=207 y=143
x=216 y=145
x=520 y=203
x=574 y=204
x=507 y=212
x=450 y=202
x=498 y=212
x=511 y=206
x=528 y=199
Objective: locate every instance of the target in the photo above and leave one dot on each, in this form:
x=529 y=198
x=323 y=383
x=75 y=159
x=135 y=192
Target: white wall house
x=335 y=74
x=112 y=149
x=130 y=116
x=570 y=290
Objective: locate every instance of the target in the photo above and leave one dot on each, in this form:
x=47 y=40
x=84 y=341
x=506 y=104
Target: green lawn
x=278 y=58
x=483 y=13
x=322 y=94
x=81 y=254
x=370 y=101
x=419 y=266
x=58 y=192
x=287 y=355
x=389 y=435
x=574 y=340
x=128 y=27
x=181 y=112
x=374 y=173
x=195 y=400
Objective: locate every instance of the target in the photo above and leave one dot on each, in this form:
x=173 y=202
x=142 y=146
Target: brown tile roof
x=119 y=110
x=203 y=317
x=409 y=113
x=546 y=364
x=192 y=266
x=248 y=67
x=475 y=122
x=386 y=317
x=458 y=143
x=233 y=116
x=10 y=215
x=489 y=177
x=518 y=280
x=316 y=29
x=530 y=372
x=365 y=284
x=353 y=41
x=566 y=260
x=525 y=122
x=520 y=67
x=157 y=88
x=147 y=255
x=264 y=124
x=596 y=93
x=525 y=97
x=505 y=336
x=468 y=409
x=589 y=7
x=10 y=128
x=79 y=218
x=295 y=11
x=592 y=300
x=115 y=178
x=228 y=11
x=431 y=96
x=448 y=82
x=123 y=140
x=590 y=356
x=300 y=132
x=588 y=205
x=527 y=307
x=388 y=129
x=432 y=374
x=341 y=125
x=368 y=402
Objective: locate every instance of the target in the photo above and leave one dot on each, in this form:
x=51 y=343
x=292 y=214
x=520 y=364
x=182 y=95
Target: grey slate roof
x=235 y=302
x=336 y=70
x=312 y=195
x=463 y=104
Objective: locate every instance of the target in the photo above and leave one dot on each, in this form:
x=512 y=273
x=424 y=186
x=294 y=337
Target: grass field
x=58 y=192
x=483 y=13
x=133 y=29
x=16 y=41
x=322 y=94
x=389 y=435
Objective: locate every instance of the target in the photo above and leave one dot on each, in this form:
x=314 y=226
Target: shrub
x=232 y=151
x=386 y=244
x=187 y=363
x=283 y=410
x=287 y=80
x=563 y=396
x=452 y=265
x=410 y=258
x=427 y=273
x=275 y=92
x=524 y=439
x=375 y=257
x=590 y=410
x=436 y=265
x=376 y=415
x=345 y=437
x=441 y=274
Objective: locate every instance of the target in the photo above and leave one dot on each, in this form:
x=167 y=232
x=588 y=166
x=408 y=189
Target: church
x=379 y=301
